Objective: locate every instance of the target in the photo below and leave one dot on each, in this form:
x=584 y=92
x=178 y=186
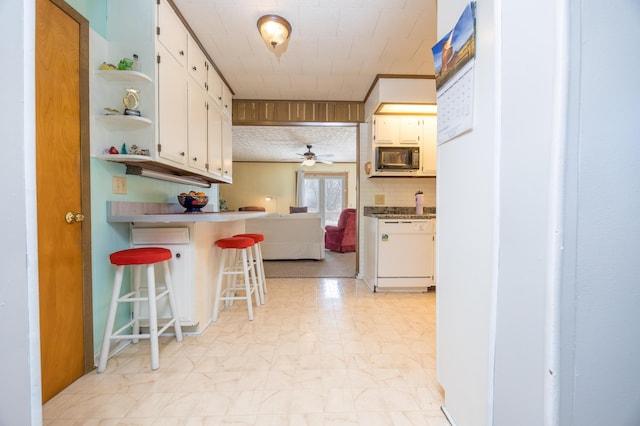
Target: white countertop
x=133 y=212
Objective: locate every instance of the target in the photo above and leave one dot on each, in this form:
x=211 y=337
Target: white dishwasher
x=405 y=254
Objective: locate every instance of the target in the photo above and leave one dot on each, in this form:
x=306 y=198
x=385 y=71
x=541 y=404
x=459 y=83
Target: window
x=324 y=193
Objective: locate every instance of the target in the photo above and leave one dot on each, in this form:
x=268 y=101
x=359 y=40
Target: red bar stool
x=257 y=258
x=137 y=257
x=236 y=260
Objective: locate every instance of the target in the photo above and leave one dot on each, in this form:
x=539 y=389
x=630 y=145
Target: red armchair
x=342 y=238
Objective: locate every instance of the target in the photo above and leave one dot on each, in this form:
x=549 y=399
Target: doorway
x=63 y=195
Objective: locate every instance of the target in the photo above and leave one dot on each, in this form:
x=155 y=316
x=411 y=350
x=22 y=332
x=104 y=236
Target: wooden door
x=62 y=186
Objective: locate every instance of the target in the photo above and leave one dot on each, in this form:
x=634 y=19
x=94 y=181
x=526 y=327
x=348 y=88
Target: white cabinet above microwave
x=397 y=130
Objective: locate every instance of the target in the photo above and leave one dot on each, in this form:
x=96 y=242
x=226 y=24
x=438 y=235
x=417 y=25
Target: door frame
x=85 y=176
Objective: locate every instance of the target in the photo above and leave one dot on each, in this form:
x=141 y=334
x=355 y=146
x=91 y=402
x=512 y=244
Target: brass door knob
x=71 y=217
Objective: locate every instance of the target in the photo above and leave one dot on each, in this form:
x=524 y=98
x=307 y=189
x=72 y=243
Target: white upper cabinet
x=386 y=129
x=410 y=130
x=407 y=131
x=226 y=100
x=171 y=33
x=198 y=64
x=227 y=158
x=215 y=86
x=397 y=130
x=214 y=142
x=429 y=145
x=197 y=127
x=183 y=100
x=172 y=109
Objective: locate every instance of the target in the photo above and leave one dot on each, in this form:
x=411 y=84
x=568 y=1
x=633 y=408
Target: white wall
x=252 y=182
x=20 y=400
x=467 y=206
x=600 y=317
x=538 y=225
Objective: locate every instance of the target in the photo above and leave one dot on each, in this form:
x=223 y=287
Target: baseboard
x=448 y=416
x=114 y=349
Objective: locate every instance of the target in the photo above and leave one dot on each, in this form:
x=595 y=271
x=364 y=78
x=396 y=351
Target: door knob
x=71 y=217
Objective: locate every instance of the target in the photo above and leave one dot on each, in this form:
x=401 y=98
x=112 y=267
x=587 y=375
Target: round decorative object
x=131 y=99
x=367 y=167
x=193 y=202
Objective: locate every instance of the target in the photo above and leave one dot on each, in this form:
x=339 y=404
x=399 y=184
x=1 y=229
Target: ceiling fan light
x=274 y=29
x=308 y=162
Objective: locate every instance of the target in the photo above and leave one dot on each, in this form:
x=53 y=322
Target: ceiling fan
x=310 y=158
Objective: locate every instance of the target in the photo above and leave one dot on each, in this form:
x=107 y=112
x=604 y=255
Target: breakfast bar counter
x=191 y=238
x=135 y=212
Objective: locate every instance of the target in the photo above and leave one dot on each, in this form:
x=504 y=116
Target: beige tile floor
x=320 y=352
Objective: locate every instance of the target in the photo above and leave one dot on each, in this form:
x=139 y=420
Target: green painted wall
x=95 y=11
x=109 y=237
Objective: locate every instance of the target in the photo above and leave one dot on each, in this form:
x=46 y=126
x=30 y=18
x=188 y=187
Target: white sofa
x=289 y=236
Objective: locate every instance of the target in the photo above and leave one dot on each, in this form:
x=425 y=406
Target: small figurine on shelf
x=107 y=67
x=123 y=150
x=136 y=63
x=125 y=64
x=131 y=101
x=134 y=150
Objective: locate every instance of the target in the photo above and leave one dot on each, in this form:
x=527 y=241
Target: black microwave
x=397 y=158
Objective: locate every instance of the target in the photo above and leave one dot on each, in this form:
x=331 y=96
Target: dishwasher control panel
x=388 y=226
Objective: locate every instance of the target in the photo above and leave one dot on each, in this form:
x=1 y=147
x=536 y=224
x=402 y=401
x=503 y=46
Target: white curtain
x=299 y=188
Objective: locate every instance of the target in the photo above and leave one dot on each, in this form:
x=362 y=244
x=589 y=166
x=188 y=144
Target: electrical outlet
x=119 y=185
x=379 y=199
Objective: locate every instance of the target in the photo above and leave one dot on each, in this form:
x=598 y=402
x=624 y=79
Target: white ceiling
x=336 y=49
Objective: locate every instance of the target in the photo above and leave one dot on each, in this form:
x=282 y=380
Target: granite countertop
x=399 y=212
x=402 y=216
x=118 y=211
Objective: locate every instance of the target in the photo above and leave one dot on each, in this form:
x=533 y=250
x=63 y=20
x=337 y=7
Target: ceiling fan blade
x=324 y=161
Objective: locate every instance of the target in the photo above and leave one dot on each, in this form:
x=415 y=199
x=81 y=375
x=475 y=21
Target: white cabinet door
x=197 y=116
x=198 y=64
x=429 y=145
x=386 y=130
x=215 y=86
x=172 y=109
x=410 y=130
x=214 y=141
x=172 y=34
x=227 y=154
x=226 y=100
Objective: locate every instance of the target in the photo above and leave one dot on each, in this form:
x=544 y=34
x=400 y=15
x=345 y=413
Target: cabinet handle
x=178 y=255
x=181 y=53
x=195 y=158
x=194 y=68
x=182 y=154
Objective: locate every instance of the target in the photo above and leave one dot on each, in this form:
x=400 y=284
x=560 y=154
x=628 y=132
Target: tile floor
x=322 y=351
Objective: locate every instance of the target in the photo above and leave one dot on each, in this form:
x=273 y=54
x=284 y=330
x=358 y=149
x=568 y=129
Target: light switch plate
x=379 y=199
x=119 y=185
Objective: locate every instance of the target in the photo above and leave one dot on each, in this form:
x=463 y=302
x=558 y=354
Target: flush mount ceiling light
x=274 y=29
